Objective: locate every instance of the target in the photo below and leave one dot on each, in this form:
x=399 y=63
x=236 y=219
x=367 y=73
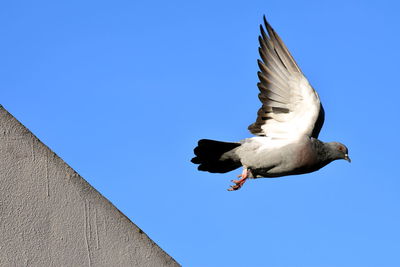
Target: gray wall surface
x=50 y=216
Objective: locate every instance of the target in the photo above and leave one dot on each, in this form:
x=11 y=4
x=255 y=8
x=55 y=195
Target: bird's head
x=339 y=151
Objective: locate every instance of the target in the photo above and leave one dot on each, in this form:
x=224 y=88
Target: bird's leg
x=239 y=183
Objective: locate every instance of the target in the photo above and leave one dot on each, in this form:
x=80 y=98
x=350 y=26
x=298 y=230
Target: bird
x=286 y=130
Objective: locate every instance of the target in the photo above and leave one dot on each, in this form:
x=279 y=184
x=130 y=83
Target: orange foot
x=239 y=183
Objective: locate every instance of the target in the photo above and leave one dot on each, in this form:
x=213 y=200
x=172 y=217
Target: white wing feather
x=291 y=106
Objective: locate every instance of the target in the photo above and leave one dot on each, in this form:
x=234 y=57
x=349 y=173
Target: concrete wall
x=50 y=216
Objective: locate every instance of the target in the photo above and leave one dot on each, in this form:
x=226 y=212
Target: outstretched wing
x=290 y=106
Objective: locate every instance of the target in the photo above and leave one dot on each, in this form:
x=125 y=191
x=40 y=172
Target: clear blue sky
x=122 y=91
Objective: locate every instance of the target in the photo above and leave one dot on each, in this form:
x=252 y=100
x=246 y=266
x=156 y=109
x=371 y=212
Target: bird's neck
x=323 y=151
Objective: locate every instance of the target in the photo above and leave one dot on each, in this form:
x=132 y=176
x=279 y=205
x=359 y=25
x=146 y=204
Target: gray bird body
x=304 y=156
x=287 y=126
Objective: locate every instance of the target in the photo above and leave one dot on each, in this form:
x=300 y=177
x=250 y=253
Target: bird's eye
x=341 y=148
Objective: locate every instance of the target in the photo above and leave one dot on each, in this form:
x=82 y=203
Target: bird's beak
x=346 y=157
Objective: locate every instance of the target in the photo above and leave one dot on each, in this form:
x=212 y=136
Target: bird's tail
x=208 y=156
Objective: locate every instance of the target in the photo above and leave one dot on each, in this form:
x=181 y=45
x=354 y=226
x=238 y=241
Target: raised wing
x=290 y=106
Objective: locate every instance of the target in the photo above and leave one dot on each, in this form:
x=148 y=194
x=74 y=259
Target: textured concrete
x=50 y=216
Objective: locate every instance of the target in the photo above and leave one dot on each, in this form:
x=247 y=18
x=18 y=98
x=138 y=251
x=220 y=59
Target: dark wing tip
x=270 y=30
x=263 y=35
x=266 y=22
x=264 y=18
x=260 y=63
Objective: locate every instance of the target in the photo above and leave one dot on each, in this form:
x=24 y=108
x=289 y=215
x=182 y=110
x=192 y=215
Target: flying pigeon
x=287 y=126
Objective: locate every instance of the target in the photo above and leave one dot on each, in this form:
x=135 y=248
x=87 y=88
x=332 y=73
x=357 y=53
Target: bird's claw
x=239 y=183
x=234 y=188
